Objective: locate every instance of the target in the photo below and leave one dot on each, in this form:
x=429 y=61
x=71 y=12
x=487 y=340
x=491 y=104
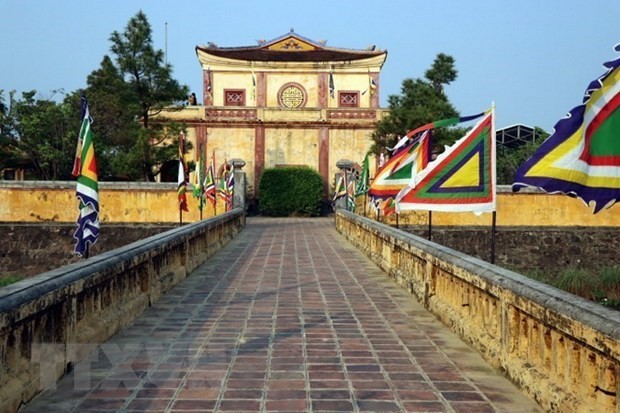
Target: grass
x=9 y=280
x=602 y=287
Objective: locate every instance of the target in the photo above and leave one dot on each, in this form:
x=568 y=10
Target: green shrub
x=609 y=283
x=290 y=191
x=577 y=281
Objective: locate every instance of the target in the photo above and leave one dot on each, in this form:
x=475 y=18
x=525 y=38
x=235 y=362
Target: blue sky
x=534 y=59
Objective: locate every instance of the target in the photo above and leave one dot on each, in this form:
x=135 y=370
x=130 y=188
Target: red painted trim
x=324 y=159
x=259 y=156
x=201 y=136
x=303 y=90
x=240 y=92
x=323 y=90
x=355 y=93
x=261 y=89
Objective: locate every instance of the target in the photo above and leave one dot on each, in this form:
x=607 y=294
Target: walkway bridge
x=292 y=314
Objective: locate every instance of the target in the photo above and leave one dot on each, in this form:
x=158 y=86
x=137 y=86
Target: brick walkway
x=288 y=317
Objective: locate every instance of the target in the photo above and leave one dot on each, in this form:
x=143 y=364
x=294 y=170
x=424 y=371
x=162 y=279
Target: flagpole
x=493 y=225
x=397 y=214
x=430 y=225
x=180 y=217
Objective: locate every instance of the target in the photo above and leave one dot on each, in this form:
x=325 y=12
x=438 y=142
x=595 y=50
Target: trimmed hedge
x=291 y=191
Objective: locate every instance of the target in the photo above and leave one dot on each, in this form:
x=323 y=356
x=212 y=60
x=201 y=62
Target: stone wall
x=50 y=321
x=561 y=350
x=30 y=249
x=526 y=248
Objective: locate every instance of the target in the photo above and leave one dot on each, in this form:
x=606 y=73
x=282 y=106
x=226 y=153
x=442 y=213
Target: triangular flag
x=460 y=179
x=582 y=157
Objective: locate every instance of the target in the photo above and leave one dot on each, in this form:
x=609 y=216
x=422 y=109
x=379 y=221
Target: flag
x=401 y=168
x=223 y=189
x=364 y=178
x=253 y=85
x=332 y=90
x=582 y=156
x=373 y=86
x=341 y=188
x=208 y=81
x=401 y=142
x=461 y=179
x=230 y=187
x=382 y=159
x=209 y=183
x=182 y=177
x=388 y=207
x=350 y=200
x=199 y=173
x=87 y=191
x=444 y=122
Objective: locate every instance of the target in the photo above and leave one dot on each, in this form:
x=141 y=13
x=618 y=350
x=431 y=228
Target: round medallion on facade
x=292 y=95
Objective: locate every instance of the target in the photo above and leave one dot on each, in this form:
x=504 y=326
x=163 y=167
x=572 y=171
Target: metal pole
x=397 y=220
x=493 y=225
x=430 y=225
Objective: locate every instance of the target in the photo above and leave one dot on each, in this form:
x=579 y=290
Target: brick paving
x=289 y=317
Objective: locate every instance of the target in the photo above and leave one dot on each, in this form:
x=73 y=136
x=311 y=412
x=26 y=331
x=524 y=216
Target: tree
x=9 y=152
x=442 y=72
x=509 y=159
x=45 y=135
x=421 y=101
x=148 y=88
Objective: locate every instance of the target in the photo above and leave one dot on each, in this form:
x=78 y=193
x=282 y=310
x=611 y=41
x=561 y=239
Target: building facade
x=288 y=101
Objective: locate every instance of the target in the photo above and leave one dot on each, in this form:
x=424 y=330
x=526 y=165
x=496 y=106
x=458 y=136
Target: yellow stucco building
x=287 y=101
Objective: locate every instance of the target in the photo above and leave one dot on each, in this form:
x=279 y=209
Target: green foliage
x=609 y=283
x=41 y=134
x=576 y=281
x=137 y=87
x=9 y=280
x=291 y=191
x=44 y=135
x=421 y=101
x=509 y=159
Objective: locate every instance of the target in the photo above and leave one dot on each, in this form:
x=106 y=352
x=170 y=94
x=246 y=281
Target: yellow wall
x=233 y=80
x=351 y=144
x=291 y=147
x=351 y=82
x=308 y=80
x=230 y=143
x=118 y=202
x=514 y=209
x=144 y=202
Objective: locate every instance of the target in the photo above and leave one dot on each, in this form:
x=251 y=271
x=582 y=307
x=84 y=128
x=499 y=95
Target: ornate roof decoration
x=289 y=47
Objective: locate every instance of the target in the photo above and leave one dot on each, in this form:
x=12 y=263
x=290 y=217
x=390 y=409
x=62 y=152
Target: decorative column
x=324 y=158
x=201 y=137
x=259 y=156
x=261 y=89
x=323 y=90
x=240 y=192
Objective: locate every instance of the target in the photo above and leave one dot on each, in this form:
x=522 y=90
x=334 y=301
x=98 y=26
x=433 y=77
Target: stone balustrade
x=561 y=350
x=53 y=319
